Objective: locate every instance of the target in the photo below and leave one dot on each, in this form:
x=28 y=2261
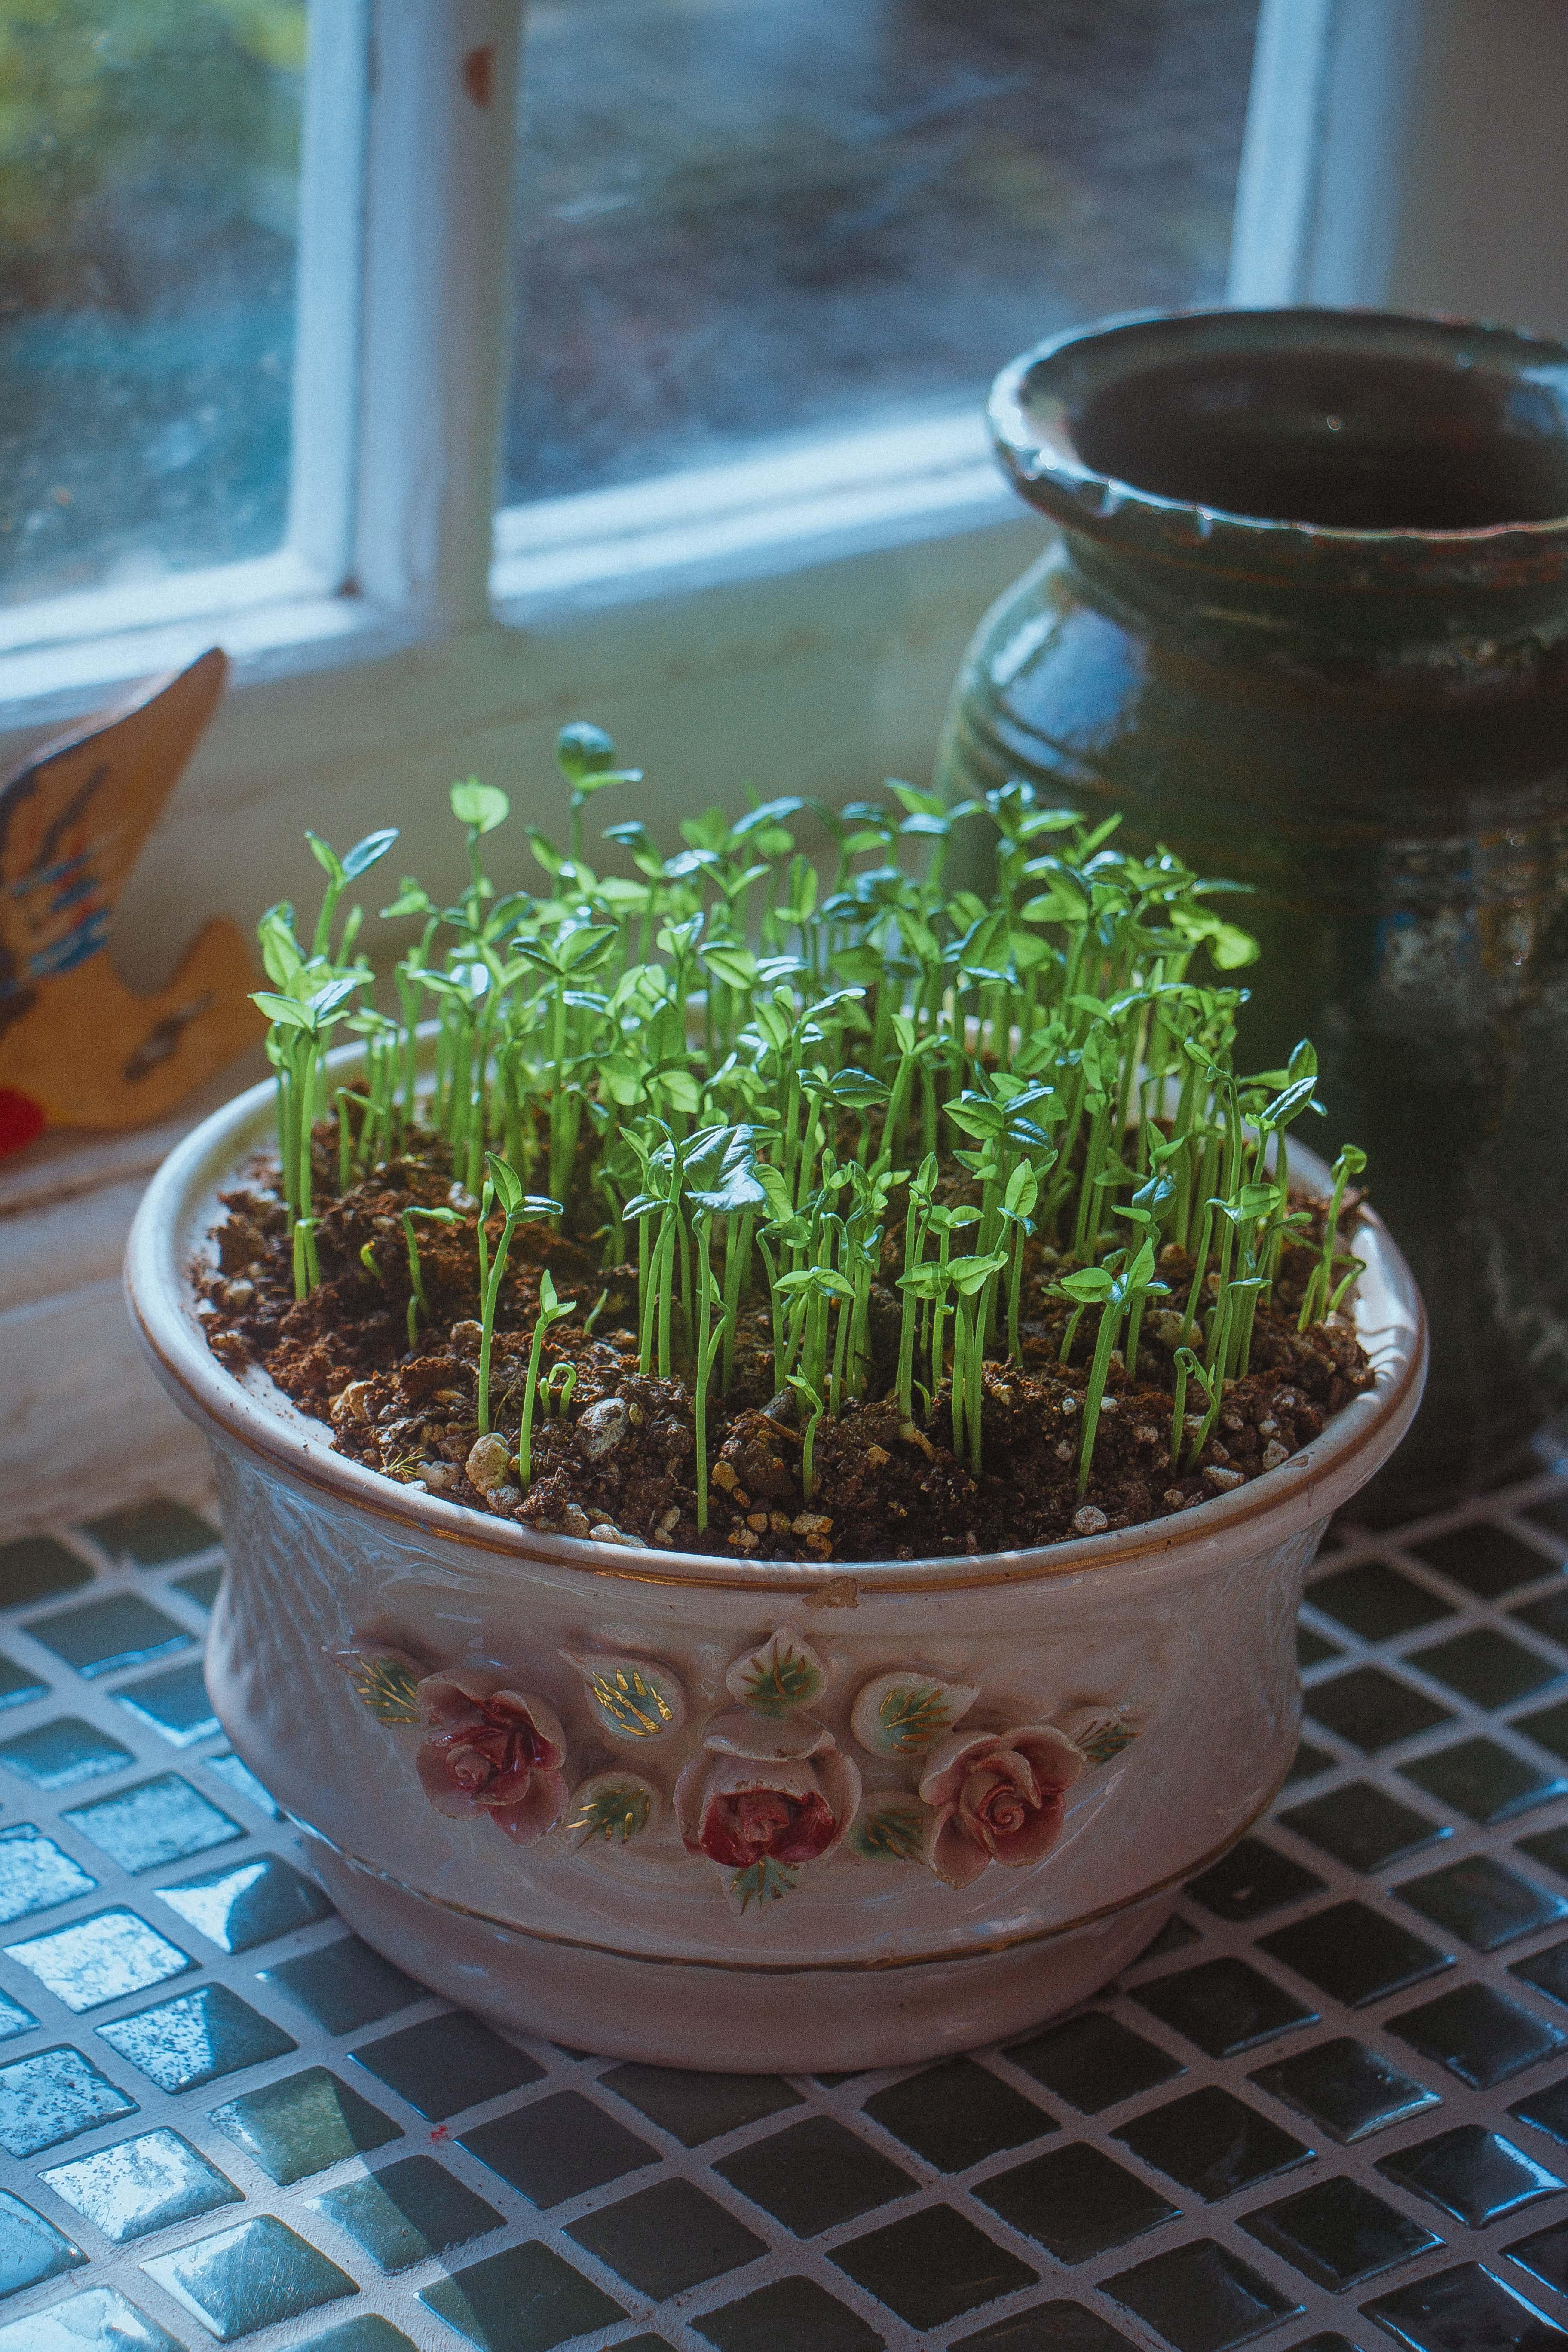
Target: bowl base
x=738 y=2021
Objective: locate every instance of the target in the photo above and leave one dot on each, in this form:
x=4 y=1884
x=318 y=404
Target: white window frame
x=488 y=629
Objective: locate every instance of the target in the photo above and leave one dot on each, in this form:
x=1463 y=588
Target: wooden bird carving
x=76 y=1047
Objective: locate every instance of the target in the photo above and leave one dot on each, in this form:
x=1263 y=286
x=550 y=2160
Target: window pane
x=748 y=218
x=149 y=167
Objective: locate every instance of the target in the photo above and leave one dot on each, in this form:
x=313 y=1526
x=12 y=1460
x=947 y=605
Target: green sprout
x=806 y=1098
x=552 y=1310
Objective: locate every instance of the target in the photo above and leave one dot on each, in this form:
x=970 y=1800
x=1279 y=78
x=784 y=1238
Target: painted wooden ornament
x=78 y=1048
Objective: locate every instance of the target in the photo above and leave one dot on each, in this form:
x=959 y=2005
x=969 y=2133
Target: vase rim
x=1065 y=417
x=252 y=1416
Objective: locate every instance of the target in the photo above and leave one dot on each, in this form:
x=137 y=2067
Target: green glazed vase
x=1306 y=618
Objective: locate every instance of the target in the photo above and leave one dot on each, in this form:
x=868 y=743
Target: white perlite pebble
x=1274 y=1454
x=1224 y=1479
x=602 y=1426
x=1089 y=1521
x=489 y=1458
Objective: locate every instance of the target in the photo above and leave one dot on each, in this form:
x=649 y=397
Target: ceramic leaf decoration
x=901 y=1714
x=1101 y=1731
x=386 y=1681
x=767 y=1814
x=634 y=1698
x=784 y=1674
x=612 y=1808
x=891 y=1829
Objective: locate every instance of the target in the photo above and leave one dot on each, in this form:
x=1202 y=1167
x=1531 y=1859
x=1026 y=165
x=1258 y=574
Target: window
x=149 y=194
x=747 y=219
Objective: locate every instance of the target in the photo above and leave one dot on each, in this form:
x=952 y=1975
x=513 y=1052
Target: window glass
x=149 y=167
x=744 y=219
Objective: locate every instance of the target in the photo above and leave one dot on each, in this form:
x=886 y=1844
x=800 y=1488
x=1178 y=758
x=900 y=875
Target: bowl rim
x=1048 y=471
x=251 y=1414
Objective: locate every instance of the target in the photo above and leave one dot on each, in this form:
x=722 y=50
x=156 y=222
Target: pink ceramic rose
x=788 y=1802
x=490 y=1751
x=996 y=1796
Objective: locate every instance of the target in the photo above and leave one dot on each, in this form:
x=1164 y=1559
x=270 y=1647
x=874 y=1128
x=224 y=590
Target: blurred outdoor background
x=740 y=220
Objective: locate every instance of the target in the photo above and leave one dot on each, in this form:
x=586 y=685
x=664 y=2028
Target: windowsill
x=763 y=515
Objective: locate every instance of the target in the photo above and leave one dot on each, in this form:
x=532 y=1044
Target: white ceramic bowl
x=1164 y=1654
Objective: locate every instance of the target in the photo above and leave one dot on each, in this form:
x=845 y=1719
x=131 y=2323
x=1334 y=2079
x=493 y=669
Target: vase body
x=1306 y=620
x=1162 y=1657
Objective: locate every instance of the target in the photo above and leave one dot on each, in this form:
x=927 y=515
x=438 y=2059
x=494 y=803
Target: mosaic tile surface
x=1326 y=2112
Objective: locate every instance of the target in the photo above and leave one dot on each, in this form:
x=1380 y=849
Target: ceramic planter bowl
x=532 y=1771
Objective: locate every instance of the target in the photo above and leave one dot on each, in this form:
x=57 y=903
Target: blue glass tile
x=121 y=1630
x=1337 y=2233
x=152 y=1534
x=1253 y=1879
x=1093 y=2061
x=956 y=2113
x=667 y=2239
x=1486 y=1560
x=407 y=2211
x=697 y=2107
x=1545 y=2255
x=156 y=1822
x=35 y=1873
x=1483 y=1902
x=203 y=1587
x=246 y=1903
x=787 y=2315
x=525 y=2300
x=16 y=1685
x=175 y=1704
x=240 y=1781
x=1464 y=2310
x=1546 y=1971
x=182 y=2043
x=368 y=2332
x=1484 y=1780
x=1547 y=2109
x=98 y=2321
x=302 y=2124
x=1375 y=1600
x=252 y=2276
x=345 y=1985
x=57 y=1755
x=141 y=2185
x=52 y=2096
x=1223 y=2006
x=1353 y=1953
x=14 y=2019
x=1359 y=1824
x=34 y=1568
x=1477 y=2035
x=562 y=2146
x=101 y=1958
x=1075 y=2203
x=1211 y=2143
x=31 y=2249
x=1054 y=2326
x=1372 y=1710
x=1474 y=2174
x=1201 y=2298
x=446 y=2064
x=932 y=2267
x=1348 y=2090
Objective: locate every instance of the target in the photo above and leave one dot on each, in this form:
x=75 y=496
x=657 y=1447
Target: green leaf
x=326 y=856
x=480 y=806
x=285 y=1010
x=890 y=1831
x=508 y=1184
x=387 y=1686
x=616 y=1811
x=369 y=852
x=764 y=1882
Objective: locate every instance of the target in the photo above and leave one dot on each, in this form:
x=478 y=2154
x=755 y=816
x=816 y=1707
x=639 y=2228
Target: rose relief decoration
x=490 y=1751
x=767 y=1792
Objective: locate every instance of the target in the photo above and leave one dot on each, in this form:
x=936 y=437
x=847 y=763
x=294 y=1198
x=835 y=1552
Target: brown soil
x=884 y=1491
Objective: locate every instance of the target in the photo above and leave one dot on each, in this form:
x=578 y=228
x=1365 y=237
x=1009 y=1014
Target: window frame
x=394 y=546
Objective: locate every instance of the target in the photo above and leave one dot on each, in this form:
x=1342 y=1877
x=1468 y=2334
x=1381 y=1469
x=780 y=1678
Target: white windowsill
x=763 y=514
